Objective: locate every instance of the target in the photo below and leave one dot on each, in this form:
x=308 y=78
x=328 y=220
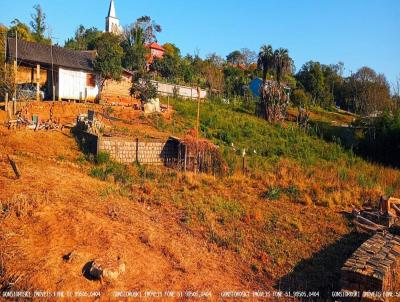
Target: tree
x=211 y=70
x=108 y=62
x=396 y=93
x=235 y=80
x=39 y=26
x=135 y=49
x=84 y=39
x=274 y=97
x=312 y=78
x=283 y=63
x=249 y=56
x=172 y=50
x=235 y=58
x=21 y=29
x=191 y=68
x=301 y=100
x=3 y=36
x=168 y=66
x=369 y=91
x=215 y=59
x=149 y=27
x=143 y=88
x=7 y=80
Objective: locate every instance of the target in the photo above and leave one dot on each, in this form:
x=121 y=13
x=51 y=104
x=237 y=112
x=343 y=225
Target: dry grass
x=68 y=214
x=173 y=231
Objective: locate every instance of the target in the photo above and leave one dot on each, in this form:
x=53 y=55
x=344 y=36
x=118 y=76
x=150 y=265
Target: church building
x=112 y=22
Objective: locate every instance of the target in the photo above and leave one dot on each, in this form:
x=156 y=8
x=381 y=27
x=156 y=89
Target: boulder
x=104 y=269
x=152 y=106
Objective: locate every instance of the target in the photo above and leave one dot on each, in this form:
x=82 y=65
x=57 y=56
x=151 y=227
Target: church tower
x=112 y=22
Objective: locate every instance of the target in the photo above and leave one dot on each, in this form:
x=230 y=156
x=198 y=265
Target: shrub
x=119 y=172
x=273 y=193
x=102 y=158
x=98 y=172
x=379 y=135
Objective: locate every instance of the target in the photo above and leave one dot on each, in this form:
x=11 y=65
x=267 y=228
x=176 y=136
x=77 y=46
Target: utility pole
x=197 y=129
x=15 y=74
x=52 y=73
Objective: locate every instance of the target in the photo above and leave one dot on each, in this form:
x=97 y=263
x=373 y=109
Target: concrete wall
x=182 y=91
x=129 y=150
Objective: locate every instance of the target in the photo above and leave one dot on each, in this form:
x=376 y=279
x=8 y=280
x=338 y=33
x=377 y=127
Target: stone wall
x=129 y=150
x=373 y=267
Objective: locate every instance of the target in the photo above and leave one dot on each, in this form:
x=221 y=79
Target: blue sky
x=356 y=32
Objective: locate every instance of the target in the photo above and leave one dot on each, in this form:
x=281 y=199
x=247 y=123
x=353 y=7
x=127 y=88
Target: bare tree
x=249 y=56
x=149 y=27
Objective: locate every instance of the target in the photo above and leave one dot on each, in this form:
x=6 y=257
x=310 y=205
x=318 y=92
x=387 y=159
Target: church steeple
x=111 y=11
x=112 y=22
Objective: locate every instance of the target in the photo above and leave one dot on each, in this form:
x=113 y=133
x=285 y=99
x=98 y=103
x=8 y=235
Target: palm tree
x=273 y=99
x=283 y=64
x=265 y=60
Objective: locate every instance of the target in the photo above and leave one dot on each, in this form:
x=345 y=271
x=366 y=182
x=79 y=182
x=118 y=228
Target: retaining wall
x=129 y=150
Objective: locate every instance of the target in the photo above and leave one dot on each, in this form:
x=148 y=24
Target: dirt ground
x=56 y=218
x=121 y=120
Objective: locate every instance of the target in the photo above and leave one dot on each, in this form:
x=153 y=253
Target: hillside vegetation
x=281 y=224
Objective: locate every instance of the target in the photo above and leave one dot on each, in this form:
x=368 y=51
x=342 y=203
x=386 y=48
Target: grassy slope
x=280 y=224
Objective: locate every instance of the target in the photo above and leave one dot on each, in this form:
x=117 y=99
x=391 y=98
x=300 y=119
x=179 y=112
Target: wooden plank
x=14 y=166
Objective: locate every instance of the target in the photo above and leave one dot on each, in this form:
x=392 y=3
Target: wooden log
x=366 y=227
x=396 y=208
x=14 y=166
x=366 y=221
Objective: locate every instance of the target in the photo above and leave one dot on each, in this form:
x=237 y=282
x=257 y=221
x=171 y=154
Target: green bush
x=106 y=168
x=102 y=158
x=273 y=193
x=98 y=172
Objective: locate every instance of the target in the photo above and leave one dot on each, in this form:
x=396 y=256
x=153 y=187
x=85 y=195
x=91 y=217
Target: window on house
x=90 y=80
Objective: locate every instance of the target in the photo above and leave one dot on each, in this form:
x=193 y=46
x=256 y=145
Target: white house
x=62 y=73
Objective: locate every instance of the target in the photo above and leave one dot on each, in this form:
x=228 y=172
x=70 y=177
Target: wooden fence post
x=14 y=107
x=137 y=150
x=186 y=156
x=6 y=101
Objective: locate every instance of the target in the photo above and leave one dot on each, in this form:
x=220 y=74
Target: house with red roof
x=156 y=52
